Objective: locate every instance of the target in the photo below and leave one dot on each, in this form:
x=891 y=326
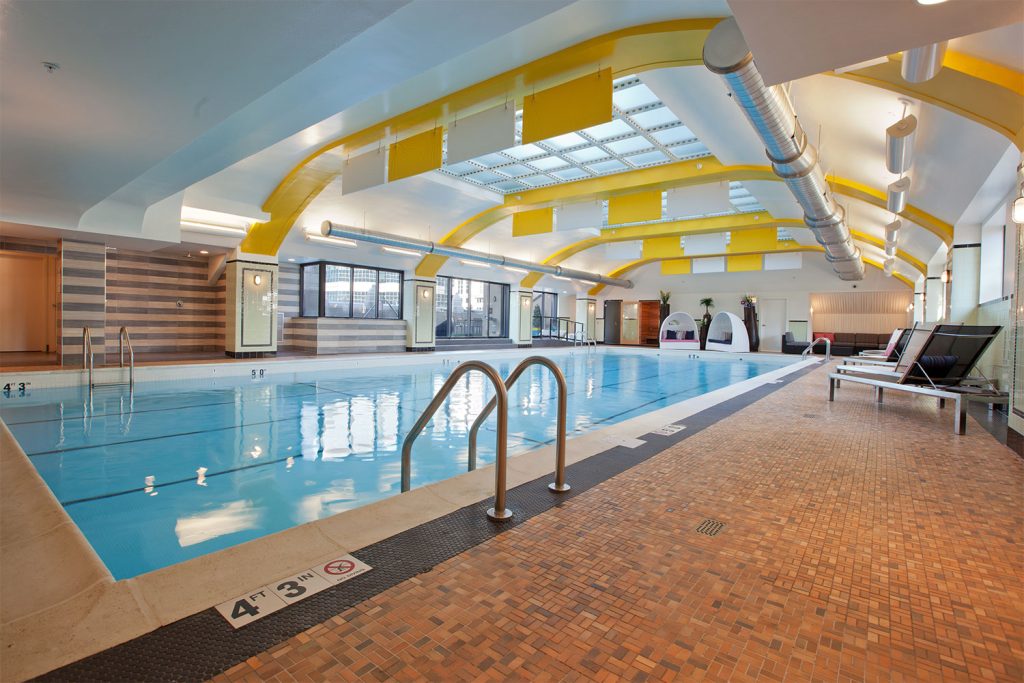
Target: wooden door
x=650 y=314
x=25 y=307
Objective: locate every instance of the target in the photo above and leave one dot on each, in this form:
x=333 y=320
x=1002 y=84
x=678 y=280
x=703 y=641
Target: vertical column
x=418 y=298
x=250 y=316
x=965 y=271
x=83 y=300
x=586 y=313
x=520 y=317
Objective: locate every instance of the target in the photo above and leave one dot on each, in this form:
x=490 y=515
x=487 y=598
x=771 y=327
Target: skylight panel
x=485 y=177
x=536 y=180
x=611 y=129
x=655 y=117
x=461 y=168
x=674 y=135
x=587 y=154
x=548 y=163
x=565 y=141
x=690 y=149
x=490 y=160
x=636 y=96
x=509 y=186
x=609 y=166
x=515 y=170
x=745 y=202
x=570 y=174
x=633 y=144
x=524 y=151
x=647 y=158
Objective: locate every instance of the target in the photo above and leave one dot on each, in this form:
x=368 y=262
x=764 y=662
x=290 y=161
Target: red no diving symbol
x=339 y=567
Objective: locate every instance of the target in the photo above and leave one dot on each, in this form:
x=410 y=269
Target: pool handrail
x=499 y=512
x=559 y=484
x=87 y=358
x=122 y=339
x=828 y=348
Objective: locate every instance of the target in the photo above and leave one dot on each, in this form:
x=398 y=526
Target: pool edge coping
x=120 y=611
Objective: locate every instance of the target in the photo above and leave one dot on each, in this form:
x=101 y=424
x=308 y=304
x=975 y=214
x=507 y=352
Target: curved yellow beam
x=631 y=50
x=697 y=226
x=668 y=176
x=624 y=270
x=981 y=91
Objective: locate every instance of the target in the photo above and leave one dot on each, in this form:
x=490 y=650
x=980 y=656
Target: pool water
x=182 y=469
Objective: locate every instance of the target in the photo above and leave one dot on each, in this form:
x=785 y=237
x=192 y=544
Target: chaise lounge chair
x=935 y=363
x=892 y=353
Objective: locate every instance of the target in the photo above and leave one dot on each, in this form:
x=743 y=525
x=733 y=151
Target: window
x=470 y=308
x=339 y=290
x=545 y=314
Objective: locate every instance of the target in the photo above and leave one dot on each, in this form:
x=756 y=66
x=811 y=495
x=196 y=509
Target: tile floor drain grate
x=710 y=527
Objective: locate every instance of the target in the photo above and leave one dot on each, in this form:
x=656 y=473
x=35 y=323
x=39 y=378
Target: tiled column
x=418 y=294
x=250 y=316
x=83 y=294
x=586 y=313
x=964 y=273
x=520 y=323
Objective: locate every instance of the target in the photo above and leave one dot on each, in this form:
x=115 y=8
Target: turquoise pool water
x=182 y=469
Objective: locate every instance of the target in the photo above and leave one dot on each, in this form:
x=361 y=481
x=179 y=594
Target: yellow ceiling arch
x=668 y=176
x=624 y=270
x=697 y=226
x=982 y=91
x=979 y=90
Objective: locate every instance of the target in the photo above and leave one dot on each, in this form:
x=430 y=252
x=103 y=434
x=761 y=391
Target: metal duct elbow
x=793 y=158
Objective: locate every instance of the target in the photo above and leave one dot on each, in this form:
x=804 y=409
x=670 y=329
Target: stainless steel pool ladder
x=828 y=348
x=559 y=484
x=88 y=358
x=87 y=354
x=499 y=512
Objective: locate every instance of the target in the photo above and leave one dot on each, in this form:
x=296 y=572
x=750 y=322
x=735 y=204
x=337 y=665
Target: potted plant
x=705 y=322
x=664 y=308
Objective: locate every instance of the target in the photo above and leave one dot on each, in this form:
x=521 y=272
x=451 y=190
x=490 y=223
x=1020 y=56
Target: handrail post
x=499 y=512
x=122 y=338
x=559 y=484
x=828 y=348
x=87 y=359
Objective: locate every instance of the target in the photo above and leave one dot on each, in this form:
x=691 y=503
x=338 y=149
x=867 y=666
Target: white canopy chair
x=679 y=332
x=727 y=333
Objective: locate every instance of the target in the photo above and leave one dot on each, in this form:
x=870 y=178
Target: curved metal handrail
x=87 y=360
x=122 y=339
x=499 y=512
x=559 y=484
x=828 y=348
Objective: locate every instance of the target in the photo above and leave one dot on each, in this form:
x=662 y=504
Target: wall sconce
x=257 y=280
x=945 y=276
x=426 y=292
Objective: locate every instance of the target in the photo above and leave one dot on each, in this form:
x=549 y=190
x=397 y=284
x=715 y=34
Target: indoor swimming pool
x=180 y=469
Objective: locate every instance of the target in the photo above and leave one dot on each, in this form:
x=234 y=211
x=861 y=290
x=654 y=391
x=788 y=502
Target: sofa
x=843 y=343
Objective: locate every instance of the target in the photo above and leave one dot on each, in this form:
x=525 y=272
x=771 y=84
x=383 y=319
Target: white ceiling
x=791 y=39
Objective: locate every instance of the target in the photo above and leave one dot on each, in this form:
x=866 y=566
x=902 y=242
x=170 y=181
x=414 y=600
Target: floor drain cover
x=710 y=527
x=668 y=430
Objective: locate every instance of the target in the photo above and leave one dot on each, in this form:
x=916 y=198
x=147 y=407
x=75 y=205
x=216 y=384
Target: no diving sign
x=268 y=599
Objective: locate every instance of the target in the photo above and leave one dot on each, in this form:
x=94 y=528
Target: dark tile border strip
x=203 y=645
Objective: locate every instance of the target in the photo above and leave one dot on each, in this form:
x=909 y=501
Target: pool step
x=469 y=343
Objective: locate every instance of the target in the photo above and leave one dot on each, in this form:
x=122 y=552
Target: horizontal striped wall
x=82 y=297
x=287 y=295
x=323 y=336
x=166 y=303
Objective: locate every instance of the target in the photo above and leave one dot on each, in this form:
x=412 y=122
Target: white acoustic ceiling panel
x=489 y=131
x=364 y=171
x=623 y=250
x=714 y=264
x=696 y=245
x=581 y=215
x=783 y=261
x=699 y=200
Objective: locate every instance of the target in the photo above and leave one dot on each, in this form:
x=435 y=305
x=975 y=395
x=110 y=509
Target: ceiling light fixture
x=899 y=144
x=892 y=231
x=515 y=270
x=930 y=2
x=211 y=229
x=334 y=241
x=403 y=252
x=203 y=252
x=889 y=267
x=475 y=264
x=897 y=199
x=562 y=277
x=922 y=63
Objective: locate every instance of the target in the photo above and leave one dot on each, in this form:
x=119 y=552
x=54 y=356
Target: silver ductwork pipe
x=329 y=229
x=793 y=157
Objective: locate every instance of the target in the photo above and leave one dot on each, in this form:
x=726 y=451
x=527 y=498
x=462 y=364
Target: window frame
x=322 y=290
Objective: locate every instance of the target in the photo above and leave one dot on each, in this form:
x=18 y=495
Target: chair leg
x=878 y=394
x=960 y=416
x=942 y=403
x=832 y=388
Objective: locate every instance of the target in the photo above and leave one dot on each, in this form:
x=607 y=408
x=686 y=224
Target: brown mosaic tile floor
x=862 y=542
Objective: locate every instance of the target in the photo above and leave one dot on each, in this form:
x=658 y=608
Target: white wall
x=795 y=286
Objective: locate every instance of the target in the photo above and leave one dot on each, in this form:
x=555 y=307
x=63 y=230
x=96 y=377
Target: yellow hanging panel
x=417 y=154
x=578 y=104
x=536 y=222
x=636 y=207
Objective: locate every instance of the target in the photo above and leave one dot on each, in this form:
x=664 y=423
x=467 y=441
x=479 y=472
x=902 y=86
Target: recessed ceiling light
x=930 y=2
x=51 y=67
x=203 y=251
x=292 y=260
